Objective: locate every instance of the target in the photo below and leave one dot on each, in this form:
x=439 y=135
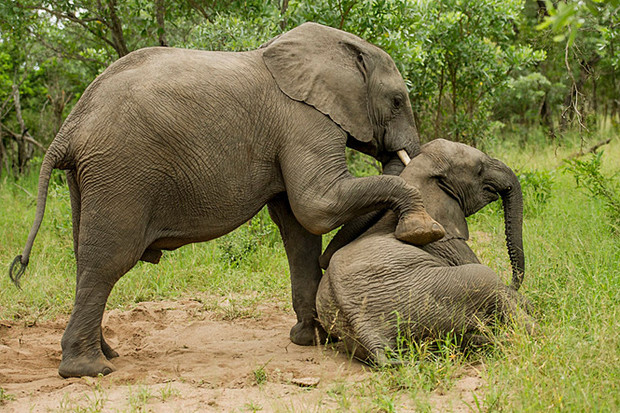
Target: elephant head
x=350 y=80
x=457 y=180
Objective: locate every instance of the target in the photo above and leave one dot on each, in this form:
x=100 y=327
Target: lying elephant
x=376 y=286
x=168 y=147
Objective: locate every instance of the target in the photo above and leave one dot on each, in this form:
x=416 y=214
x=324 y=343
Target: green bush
x=588 y=175
x=235 y=247
x=537 y=188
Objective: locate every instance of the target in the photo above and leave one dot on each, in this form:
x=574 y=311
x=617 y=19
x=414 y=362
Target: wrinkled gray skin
x=435 y=289
x=169 y=147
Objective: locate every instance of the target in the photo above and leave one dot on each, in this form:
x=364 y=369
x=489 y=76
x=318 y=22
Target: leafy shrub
x=589 y=177
x=245 y=240
x=536 y=187
x=523 y=97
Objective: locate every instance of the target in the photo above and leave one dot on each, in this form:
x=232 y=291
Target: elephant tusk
x=404 y=157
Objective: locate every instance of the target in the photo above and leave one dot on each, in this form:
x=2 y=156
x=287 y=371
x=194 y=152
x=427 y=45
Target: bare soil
x=184 y=356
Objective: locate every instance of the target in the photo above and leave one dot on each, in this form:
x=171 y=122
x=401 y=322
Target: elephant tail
x=53 y=159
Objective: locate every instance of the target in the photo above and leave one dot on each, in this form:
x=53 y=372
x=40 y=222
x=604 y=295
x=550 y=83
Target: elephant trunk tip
x=16 y=274
x=517 y=279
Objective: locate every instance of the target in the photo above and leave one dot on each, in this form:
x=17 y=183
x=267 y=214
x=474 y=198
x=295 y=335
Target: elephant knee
x=318 y=220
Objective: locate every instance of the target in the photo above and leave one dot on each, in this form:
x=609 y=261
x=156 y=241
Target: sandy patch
x=183 y=356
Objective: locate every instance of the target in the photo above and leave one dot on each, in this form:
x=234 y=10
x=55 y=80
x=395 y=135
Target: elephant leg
x=82 y=353
x=108 y=351
x=346 y=198
x=514 y=307
x=303 y=250
x=76 y=210
x=107 y=250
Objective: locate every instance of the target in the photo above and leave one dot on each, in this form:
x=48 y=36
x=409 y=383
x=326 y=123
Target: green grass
x=4 y=396
x=572 y=278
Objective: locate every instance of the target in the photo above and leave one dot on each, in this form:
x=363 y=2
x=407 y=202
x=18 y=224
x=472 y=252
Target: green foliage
x=582 y=42
x=589 y=177
x=566 y=18
x=522 y=98
x=259 y=231
x=470 y=51
x=465 y=61
x=233 y=32
x=4 y=396
x=362 y=165
x=260 y=375
x=537 y=188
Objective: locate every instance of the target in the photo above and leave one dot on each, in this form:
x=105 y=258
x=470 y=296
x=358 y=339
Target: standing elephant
x=169 y=147
x=376 y=286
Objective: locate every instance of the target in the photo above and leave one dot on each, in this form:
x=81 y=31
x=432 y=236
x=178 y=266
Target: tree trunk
x=2 y=153
x=439 y=96
x=116 y=30
x=546 y=117
x=283 y=19
x=542 y=10
x=160 y=12
x=24 y=148
x=59 y=102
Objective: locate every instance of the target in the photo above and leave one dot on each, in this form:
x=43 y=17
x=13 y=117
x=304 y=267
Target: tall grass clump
x=572 y=275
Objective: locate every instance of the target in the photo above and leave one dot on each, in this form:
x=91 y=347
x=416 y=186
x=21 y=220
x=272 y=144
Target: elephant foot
x=475 y=340
x=419 y=229
x=108 y=351
x=85 y=366
x=380 y=360
x=306 y=333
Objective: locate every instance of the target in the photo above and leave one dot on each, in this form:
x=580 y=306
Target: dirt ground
x=181 y=356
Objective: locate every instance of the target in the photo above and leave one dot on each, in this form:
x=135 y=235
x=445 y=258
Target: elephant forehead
x=450 y=149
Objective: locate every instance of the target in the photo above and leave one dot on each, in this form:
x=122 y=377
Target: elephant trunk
x=512 y=200
x=400 y=136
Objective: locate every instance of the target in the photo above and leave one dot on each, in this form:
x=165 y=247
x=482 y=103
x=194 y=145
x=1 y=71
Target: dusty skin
x=188 y=355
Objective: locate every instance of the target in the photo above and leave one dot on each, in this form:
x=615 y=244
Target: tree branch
x=26 y=136
x=592 y=149
x=73 y=18
x=194 y=5
x=116 y=29
x=73 y=56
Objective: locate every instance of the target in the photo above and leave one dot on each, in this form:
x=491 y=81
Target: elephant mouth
x=492 y=192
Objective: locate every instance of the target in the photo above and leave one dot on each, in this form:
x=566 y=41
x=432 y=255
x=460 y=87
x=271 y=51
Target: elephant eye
x=397 y=102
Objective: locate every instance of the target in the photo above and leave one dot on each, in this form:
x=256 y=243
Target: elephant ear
x=451 y=216
x=327 y=69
